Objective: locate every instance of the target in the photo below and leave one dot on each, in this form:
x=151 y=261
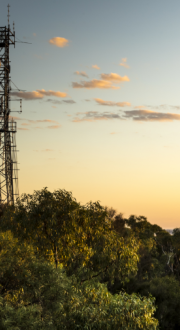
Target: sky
x=99 y=82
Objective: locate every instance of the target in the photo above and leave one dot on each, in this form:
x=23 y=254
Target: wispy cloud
x=136 y=115
x=102 y=84
x=51 y=93
x=54 y=101
x=39 y=57
x=95 y=66
x=28 y=95
x=149 y=115
x=44 y=150
x=59 y=42
x=111 y=103
x=114 y=77
x=124 y=63
x=34 y=34
x=42 y=121
x=69 y=101
x=140 y=107
x=53 y=106
x=54 y=126
x=95 y=116
x=164 y=107
x=37 y=121
x=175 y=107
x=81 y=73
x=23 y=129
x=38 y=94
x=15 y=118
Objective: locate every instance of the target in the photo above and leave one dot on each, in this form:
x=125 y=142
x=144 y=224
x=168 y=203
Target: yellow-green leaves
x=79 y=237
x=97 y=309
x=34 y=294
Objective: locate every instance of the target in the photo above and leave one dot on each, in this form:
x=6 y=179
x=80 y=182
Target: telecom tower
x=8 y=160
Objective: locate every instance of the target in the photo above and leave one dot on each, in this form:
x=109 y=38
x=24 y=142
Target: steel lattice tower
x=8 y=159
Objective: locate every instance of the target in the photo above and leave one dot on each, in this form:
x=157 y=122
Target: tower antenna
x=8 y=15
x=8 y=159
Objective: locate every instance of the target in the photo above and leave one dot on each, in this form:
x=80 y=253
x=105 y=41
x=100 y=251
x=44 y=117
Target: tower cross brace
x=8 y=159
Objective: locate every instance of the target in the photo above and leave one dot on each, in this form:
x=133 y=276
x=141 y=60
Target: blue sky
x=118 y=144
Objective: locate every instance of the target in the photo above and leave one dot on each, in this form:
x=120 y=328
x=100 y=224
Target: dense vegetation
x=67 y=266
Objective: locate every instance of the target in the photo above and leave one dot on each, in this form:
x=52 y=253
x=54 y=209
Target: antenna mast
x=8 y=160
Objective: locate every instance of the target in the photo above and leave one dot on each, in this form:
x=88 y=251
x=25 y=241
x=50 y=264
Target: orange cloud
x=111 y=103
x=149 y=115
x=139 y=107
x=51 y=93
x=123 y=63
x=136 y=115
x=102 y=84
x=15 y=118
x=59 y=42
x=95 y=67
x=116 y=78
x=45 y=150
x=28 y=95
x=81 y=73
x=42 y=121
x=54 y=126
x=38 y=94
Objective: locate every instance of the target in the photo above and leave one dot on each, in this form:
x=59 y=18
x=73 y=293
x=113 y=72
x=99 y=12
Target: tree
x=166 y=291
x=98 y=309
x=35 y=295
x=53 y=229
x=117 y=221
x=79 y=237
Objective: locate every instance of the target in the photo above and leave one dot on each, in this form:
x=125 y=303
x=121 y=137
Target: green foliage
x=54 y=256
x=158 y=270
x=98 y=309
x=79 y=237
x=32 y=291
x=36 y=295
x=166 y=290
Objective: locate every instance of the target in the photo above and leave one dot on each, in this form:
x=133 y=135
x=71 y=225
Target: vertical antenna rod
x=8 y=159
x=8 y=14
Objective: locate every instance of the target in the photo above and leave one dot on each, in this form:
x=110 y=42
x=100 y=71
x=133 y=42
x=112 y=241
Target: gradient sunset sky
x=101 y=101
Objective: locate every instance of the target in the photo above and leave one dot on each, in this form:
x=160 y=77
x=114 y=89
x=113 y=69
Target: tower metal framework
x=8 y=159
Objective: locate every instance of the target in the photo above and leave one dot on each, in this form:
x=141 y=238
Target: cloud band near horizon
x=135 y=115
x=111 y=103
x=38 y=94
